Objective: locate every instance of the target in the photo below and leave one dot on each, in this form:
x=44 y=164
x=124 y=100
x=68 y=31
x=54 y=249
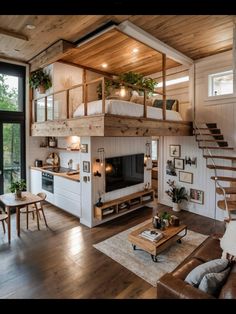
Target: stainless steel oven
x=48 y=182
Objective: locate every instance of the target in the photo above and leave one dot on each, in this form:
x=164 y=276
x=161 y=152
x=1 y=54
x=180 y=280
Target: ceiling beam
x=52 y=54
x=13 y=34
x=139 y=34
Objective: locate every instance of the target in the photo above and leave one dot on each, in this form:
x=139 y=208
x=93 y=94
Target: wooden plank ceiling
x=120 y=53
x=197 y=36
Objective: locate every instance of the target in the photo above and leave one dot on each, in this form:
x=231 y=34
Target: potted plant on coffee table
x=17 y=187
x=177 y=195
x=40 y=80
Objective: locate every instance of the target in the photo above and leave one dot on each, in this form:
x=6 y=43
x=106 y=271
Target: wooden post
x=68 y=103
x=85 y=92
x=46 y=108
x=85 y=99
x=164 y=85
x=144 y=104
x=103 y=95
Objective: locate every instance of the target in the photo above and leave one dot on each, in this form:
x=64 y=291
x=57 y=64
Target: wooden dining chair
x=3 y=218
x=35 y=208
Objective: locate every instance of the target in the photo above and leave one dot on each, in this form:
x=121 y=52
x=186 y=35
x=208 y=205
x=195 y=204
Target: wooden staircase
x=211 y=134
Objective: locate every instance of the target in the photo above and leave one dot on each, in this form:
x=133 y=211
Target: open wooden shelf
x=123 y=204
x=62 y=148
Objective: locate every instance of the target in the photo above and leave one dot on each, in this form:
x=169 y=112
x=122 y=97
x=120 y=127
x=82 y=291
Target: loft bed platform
x=104 y=117
x=112 y=125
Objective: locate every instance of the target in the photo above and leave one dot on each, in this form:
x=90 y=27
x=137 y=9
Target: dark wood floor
x=61 y=262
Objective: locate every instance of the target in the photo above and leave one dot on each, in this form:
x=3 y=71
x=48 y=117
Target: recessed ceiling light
x=30 y=26
x=135 y=50
x=104 y=65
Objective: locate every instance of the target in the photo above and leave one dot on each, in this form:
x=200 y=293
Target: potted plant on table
x=177 y=195
x=40 y=80
x=17 y=187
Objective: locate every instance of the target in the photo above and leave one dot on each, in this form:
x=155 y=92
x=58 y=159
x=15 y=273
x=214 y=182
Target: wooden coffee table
x=171 y=235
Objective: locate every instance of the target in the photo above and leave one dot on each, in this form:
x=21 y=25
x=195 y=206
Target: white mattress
x=125 y=108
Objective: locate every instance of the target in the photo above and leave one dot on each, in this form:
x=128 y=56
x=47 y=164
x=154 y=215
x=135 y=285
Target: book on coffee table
x=151 y=235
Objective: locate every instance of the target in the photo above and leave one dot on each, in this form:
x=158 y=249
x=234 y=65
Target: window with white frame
x=220 y=83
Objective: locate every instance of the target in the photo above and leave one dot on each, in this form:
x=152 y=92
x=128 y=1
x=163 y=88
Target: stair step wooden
x=228 y=190
x=220 y=157
x=228 y=179
x=217 y=147
x=213 y=141
x=209 y=134
x=231 y=205
x=221 y=167
x=210 y=129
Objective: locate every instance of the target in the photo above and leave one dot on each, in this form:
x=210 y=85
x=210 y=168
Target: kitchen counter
x=74 y=177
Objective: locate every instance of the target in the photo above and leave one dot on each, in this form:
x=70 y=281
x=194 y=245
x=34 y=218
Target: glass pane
x=154 y=150
x=40 y=110
x=10 y=98
x=60 y=110
x=11 y=154
x=50 y=108
x=223 y=84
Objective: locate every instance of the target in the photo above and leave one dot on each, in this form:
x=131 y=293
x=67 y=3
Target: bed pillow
x=139 y=100
x=212 y=282
x=171 y=104
x=214 y=266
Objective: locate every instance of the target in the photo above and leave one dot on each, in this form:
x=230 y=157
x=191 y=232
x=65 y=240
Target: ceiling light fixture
x=135 y=50
x=30 y=26
x=104 y=65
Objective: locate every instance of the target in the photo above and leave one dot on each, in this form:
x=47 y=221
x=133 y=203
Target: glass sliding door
x=12 y=154
x=12 y=124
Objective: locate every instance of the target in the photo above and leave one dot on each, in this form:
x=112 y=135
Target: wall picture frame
x=186 y=177
x=175 y=150
x=84 y=148
x=179 y=163
x=86 y=166
x=196 y=196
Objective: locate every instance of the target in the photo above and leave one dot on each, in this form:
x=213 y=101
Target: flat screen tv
x=124 y=171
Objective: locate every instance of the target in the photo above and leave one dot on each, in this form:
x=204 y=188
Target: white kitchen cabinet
x=67 y=195
x=35 y=181
x=66 y=192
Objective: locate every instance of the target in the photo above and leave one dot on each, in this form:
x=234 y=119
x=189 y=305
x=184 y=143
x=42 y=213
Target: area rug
x=139 y=262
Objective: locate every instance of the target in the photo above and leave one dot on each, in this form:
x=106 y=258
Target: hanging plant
x=40 y=80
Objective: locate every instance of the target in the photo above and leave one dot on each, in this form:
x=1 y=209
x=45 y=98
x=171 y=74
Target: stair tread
x=207 y=129
x=210 y=134
x=231 y=205
x=217 y=147
x=203 y=140
x=228 y=190
x=220 y=157
x=221 y=167
x=223 y=178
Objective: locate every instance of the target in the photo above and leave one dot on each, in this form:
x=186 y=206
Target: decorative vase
x=18 y=194
x=41 y=89
x=176 y=207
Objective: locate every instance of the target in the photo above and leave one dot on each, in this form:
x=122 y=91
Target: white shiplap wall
x=222 y=112
x=113 y=146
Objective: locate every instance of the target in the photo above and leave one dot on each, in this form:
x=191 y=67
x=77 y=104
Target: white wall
x=221 y=111
x=113 y=146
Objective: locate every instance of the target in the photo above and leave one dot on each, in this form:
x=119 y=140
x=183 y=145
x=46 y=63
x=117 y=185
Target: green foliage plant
x=176 y=194
x=40 y=78
x=19 y=185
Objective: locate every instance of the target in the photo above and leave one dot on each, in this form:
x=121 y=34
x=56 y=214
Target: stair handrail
x=215 y=171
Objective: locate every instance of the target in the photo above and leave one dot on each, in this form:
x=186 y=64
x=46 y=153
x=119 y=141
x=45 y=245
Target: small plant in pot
x=177 y=194
x=40 y=80
x=17 y=187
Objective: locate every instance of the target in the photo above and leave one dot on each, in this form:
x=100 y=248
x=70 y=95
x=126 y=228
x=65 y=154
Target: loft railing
x=49 y=99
